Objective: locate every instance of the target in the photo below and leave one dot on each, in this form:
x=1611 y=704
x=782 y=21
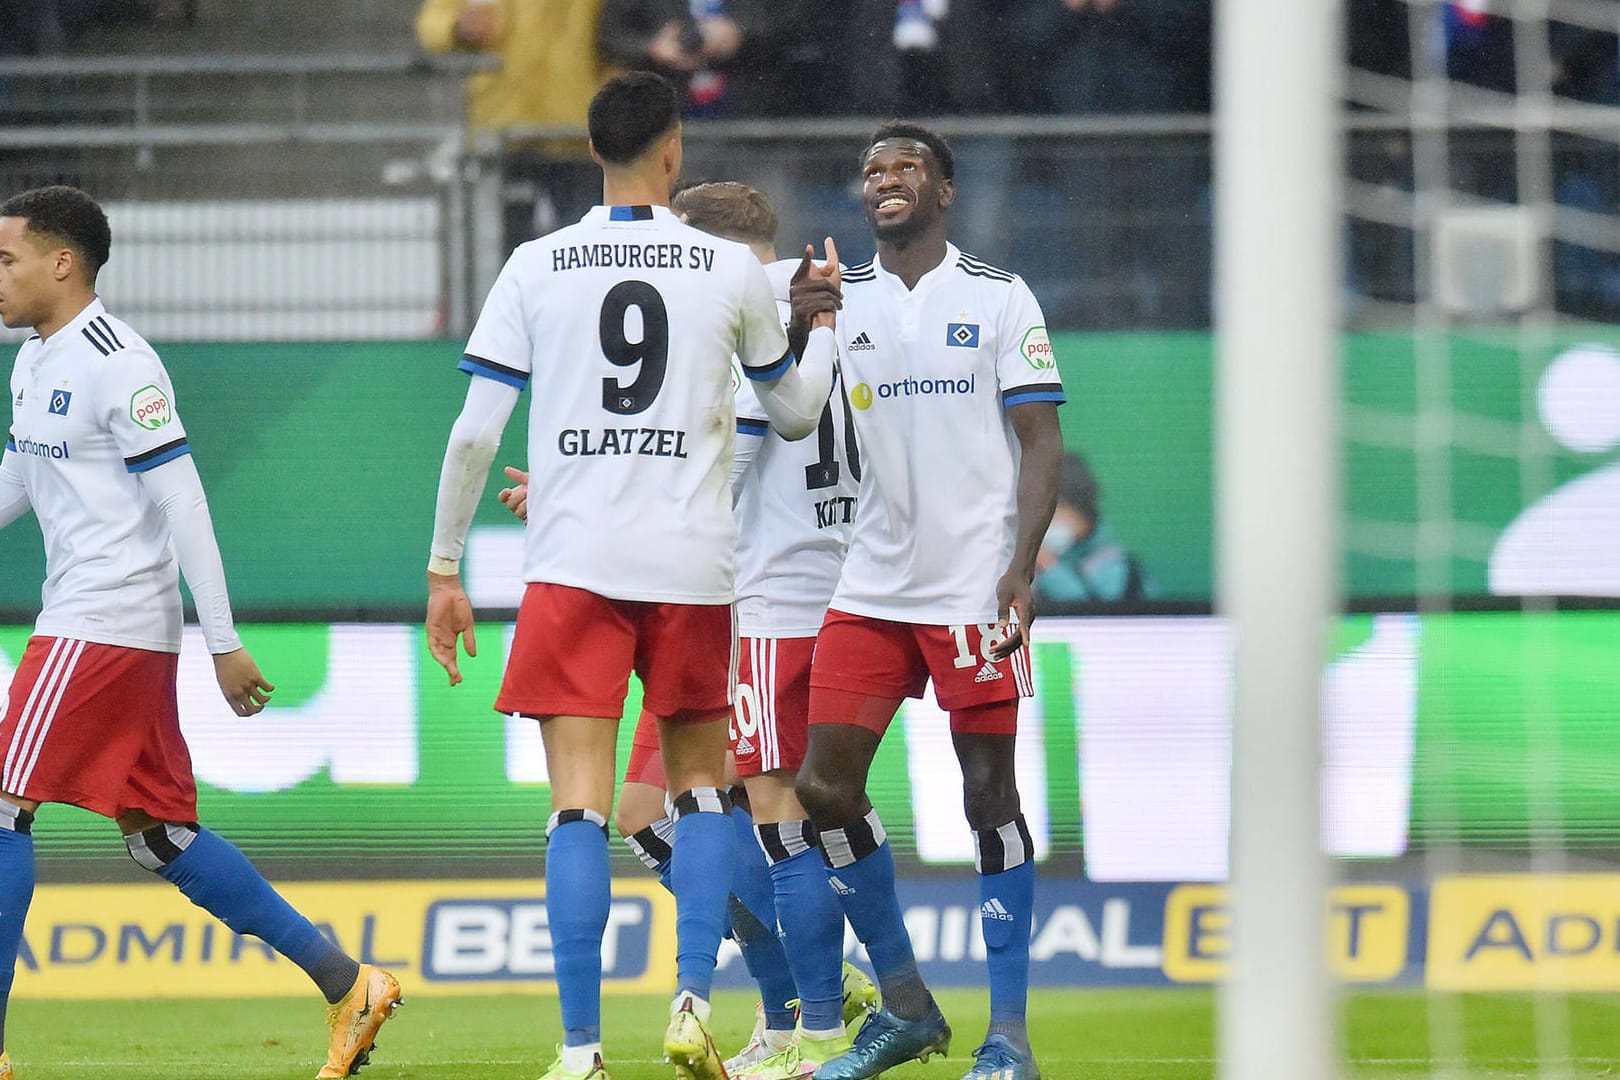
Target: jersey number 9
x=651 y=352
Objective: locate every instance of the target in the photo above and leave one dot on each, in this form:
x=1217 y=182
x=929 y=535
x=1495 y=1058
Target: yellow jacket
x=549 y=68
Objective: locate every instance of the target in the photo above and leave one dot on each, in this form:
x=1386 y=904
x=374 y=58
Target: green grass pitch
x=1078 y=1034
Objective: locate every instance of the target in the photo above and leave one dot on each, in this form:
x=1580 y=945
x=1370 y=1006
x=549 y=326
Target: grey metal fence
x=341 y=197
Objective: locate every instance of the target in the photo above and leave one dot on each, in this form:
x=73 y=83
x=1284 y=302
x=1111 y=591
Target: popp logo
x=149 y=408
x=1037 y=349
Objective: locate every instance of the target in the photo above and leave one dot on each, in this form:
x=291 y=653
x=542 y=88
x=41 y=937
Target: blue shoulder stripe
x=489 y=369
x=11 y=444
x=153 y=458
x=770 y=372
x=749 y=426
x=1024 y=397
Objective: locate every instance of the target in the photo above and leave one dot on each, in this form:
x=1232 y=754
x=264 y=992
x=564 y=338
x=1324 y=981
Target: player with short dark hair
x=97 y=451
x=955 y=396
x=794 y=503
x=628 y=321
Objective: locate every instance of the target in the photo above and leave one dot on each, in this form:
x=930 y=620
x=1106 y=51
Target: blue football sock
x=701 y=873
x=218 y=878
x=578 y=896
x=811 y=919
x=16 y=892
x=754 y=928
x=1006 y=913
x=862 y=875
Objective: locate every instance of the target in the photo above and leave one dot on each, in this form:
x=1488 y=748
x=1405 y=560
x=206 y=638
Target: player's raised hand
x=1015 y=613
x=449 y=617
x=516 y=497
x=240 y=680
x=815 y=293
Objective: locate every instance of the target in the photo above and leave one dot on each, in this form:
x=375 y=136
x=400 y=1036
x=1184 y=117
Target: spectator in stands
x=1117 y=56
x=548 y=72
x=43 y=27
x=1080 y=561
x=785 y=60
x=686 y=41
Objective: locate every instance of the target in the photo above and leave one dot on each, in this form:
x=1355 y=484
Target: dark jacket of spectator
x=1117 y=56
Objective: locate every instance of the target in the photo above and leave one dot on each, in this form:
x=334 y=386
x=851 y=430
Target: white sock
x=830 y=1033
x=580 y=1058
x=700 y=1008
x=778 y=1038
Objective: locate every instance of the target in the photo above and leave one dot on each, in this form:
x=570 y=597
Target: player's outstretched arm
x=474 y=439
x=242 y=683
x=1040 y=443
x=176 y=490
x=795 y=398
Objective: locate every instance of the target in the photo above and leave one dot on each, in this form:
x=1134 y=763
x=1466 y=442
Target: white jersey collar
x=74 y=325
x=627 y=214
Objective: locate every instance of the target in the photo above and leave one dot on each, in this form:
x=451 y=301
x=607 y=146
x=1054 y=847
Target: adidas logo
x=839 y=887
x=988 y=673
x=992 y=909
x=862 y=343
x=743 y=745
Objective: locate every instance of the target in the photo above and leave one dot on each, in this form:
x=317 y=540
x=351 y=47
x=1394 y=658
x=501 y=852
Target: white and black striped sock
x=841 y=847
x=783 y=840
x=1003 y=848
x=160 y=845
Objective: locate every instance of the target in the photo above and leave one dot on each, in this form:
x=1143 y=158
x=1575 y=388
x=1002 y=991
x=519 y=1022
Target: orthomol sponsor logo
x=863 y=395
x=57 y=451
x=1367 y=937
x=442 y=937
x=1518 y=932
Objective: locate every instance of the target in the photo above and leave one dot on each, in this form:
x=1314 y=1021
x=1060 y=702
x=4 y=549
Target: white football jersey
x=795 y=508
x=931 y=372
x=90 y=409
x=627 y=322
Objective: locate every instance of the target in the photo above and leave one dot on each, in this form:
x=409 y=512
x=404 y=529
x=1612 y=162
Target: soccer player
x=795 y=504
x=628 y=322
x=97 y=450
x=955 y=393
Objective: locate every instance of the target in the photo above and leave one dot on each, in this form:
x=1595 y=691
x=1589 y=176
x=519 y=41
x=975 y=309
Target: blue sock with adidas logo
x=1006 y=866
x=811 y=920
x=578 y=897
x=862 y=876
x=16 y=893
x=754 y=922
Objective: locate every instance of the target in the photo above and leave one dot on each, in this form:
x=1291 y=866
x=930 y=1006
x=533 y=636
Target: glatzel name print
x=639 y=441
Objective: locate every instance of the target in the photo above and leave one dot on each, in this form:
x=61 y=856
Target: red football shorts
x=573 y=653
x=770 y=720
x=646 y=754
x=883 y=659
x=97 y=726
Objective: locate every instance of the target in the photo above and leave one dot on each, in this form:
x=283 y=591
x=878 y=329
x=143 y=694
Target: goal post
x=1278 y=175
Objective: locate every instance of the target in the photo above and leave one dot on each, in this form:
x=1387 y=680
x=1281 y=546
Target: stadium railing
x=238 y=181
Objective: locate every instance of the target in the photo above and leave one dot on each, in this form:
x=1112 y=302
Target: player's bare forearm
x=1040 y=443
x=449 y=618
